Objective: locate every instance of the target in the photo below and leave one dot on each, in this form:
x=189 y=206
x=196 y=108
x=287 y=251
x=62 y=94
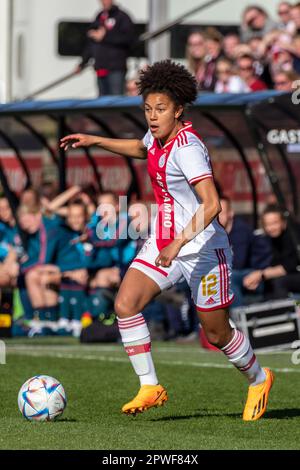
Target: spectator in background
x=195 y=55
x=284 y=80
x=251 y=250
x=284 y=54
x=258 y=50
x=7 y=222
x=282 y=275
x=48 y=191
x=9 y=268
x=214 y=40
x=285 y=18
x=230 y=43
x=246 y=71
x=38 y=268
x=227 y=80
x=255 y=23
x=295 y=17
x=72 y=258
x=131 y=87
x=113 y=250
x=30 y=198
x=110 y=38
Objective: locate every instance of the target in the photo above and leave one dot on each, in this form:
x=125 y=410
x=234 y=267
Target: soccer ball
x=42 y=398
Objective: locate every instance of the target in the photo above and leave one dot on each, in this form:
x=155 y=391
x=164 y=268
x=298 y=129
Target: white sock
x=137 y=342
x=240 y=353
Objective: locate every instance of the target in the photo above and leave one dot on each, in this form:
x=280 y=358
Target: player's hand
x=97 y=34
x=252 y=280
x=77 y=140
x=168 y=254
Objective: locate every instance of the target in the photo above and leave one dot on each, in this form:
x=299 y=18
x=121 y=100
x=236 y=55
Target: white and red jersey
x=173 y=169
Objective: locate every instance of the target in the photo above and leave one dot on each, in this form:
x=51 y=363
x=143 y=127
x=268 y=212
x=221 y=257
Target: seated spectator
x=214 y=41
x=48 y=190
x=195 y=55
x=140 y=222
x=295 y=18
x=37 y=266
x=282 y=275
x=255 y=22
x=7 y=222
x=284 y=12
x=88 y=196
x=112 y=254
x=230 y=43
x=246 y=71
x=284 y=53
x=30 y=198
x=227 y=80
x=251 y=250
x=131 y=88
x=72 y=258
x=9 y=268
x=285 y=80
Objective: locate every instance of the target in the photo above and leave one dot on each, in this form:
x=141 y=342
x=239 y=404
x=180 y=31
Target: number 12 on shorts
x=208 y=285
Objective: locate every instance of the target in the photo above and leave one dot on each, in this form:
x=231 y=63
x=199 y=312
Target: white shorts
x=208 y=274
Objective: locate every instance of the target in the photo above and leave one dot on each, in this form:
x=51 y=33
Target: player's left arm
x=205 y=214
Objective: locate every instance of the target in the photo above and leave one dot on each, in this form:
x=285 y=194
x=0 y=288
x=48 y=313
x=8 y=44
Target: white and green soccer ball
x=42 y=398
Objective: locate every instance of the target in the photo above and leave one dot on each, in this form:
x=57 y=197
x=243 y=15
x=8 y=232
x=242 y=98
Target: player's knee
x=124 y=308
x=216 y=338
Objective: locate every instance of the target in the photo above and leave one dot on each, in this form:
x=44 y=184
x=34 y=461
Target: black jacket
x=251 y=250
x=111 y=53
x=284 y=252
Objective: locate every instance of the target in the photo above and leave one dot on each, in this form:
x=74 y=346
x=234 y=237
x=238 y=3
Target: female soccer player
x=188 y=242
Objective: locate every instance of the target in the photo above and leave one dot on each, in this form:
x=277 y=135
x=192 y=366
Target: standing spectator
x=227 y=80
x=110 y=37
x=245 y=65
x=255 y=22
x=195 y=54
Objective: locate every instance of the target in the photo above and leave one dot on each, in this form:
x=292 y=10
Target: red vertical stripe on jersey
x=221 y=277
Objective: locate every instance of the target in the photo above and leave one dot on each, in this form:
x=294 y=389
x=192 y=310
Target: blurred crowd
x=264 y=54
x=68 y=253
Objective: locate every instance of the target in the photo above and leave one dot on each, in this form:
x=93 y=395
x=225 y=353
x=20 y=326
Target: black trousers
x=280 y=287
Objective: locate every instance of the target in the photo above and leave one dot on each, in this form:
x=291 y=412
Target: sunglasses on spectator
x=283 y=12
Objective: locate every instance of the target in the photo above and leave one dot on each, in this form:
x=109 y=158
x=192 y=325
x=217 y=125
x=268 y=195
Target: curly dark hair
x=170 y=78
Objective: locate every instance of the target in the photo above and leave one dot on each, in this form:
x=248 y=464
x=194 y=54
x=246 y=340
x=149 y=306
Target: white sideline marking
x=119 y=348
x=27 y=352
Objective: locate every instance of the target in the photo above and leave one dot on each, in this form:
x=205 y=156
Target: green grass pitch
x=206 y=398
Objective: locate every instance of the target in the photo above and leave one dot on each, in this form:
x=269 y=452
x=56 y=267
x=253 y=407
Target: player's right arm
x=133 y=148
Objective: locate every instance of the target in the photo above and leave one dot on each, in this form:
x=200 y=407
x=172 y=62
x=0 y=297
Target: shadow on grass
x=65 y=420
x=198 y=414
x=285 y=413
